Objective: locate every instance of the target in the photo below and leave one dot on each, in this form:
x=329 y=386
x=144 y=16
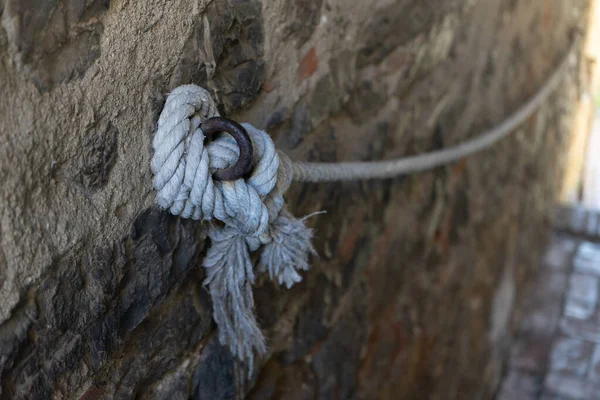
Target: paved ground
x=556 y=354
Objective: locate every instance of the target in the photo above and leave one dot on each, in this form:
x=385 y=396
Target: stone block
x=593 y=223
x=587 y=258
x=578 y=220
x=560 y=252
x=582 y=296
x=594 y=370
x=571 y=356
x=582 y=329
x=569 y=386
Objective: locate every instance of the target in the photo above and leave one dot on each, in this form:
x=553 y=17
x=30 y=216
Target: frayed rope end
x=229 y=278
x=288 y=251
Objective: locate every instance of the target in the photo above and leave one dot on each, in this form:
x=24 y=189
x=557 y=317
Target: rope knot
x=251 y=208
x=183 y=165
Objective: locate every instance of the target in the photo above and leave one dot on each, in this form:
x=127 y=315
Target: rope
x=327 y=172
x=249 y=214
x=251 y=211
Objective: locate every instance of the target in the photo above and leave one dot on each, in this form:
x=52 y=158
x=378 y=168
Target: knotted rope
x=251 y=210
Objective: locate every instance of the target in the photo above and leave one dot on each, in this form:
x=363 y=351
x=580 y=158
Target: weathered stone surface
x=97 y=157
x=138 y=303
x=230 y=36
x=302 y=17
x=381 y=35
x=54 y=41
x=101 y=295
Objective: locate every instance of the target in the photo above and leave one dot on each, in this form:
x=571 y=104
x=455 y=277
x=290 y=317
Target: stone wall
x=418 y=278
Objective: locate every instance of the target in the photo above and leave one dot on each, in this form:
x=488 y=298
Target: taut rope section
x=249 y=213
x=327 y=172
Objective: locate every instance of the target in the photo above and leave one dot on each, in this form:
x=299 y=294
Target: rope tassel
x=230 y=277
x=287 y=252
x=251 y=211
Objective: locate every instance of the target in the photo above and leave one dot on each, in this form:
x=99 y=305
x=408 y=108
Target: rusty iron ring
x=243 y=165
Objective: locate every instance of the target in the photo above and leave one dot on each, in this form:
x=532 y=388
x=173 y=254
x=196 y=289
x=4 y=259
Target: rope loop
x=184 y=166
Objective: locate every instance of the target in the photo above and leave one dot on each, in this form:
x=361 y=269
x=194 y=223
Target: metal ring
x=243 y=165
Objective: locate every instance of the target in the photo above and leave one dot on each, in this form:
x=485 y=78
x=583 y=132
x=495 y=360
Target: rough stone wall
x=415 y=289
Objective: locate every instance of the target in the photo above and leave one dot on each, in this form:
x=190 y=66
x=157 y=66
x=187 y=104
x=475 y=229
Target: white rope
x=183 y=166
x=252 y=210
x=326 y=172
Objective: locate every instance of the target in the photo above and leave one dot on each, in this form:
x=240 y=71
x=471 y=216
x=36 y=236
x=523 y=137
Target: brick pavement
x=556 y=352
